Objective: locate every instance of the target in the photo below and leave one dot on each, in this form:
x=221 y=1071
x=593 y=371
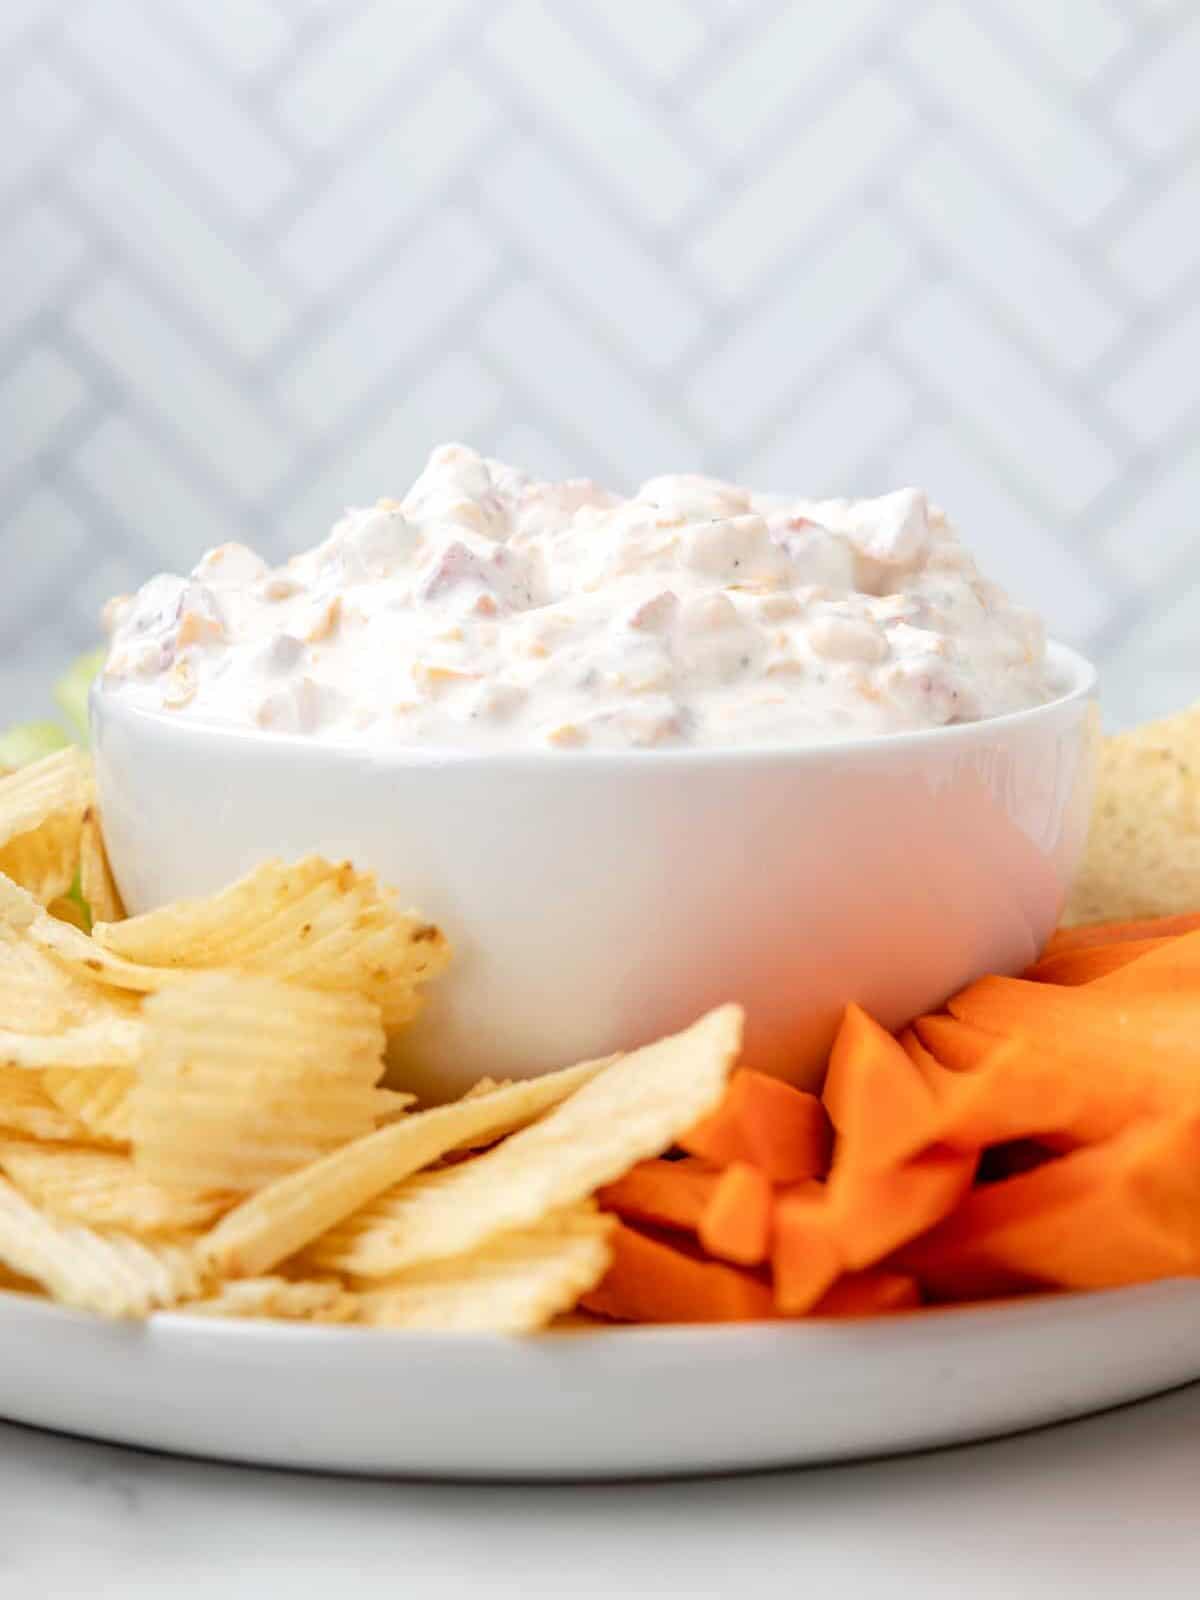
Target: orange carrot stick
x=1024 y=1092
x=953 y=1043
x=769 y=1124
x=1169 y=966
x=736 y=1222
x=673 y=1194
x=1097 y=933
x=649 y=1281
x=1017 y=1093
x=927 y=1065
x=1085 y=965
x=1121 y=1212
x=869 y=1294
x=1148 y=1041
x=873 y=1213
x=876 y=1098
x=805 y=1255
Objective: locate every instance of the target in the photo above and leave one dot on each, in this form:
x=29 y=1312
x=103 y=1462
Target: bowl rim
x=1079 y=674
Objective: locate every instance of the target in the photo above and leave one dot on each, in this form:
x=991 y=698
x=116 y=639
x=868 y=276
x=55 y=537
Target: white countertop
x=1105 y=1507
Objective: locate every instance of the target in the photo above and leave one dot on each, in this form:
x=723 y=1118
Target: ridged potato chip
x=41 y=994
x=516 y=1283
x=285 y=1298
x=98 y=1099
x=244 y=1079
x=96 y=882
x=281 y=1219
x=635 y=1109
x=26 y=1108
x=483 y=1086
x=312 y=923
x=79 y=953
x=36 y=994
x=24 y=921
x=44 y=862
x=18 y=908
x=111 y=1041
x=216 y=1065
x=104 y=1190
x=59 y=784
x=109 y=1273
x=68 y=909
x=41 y=821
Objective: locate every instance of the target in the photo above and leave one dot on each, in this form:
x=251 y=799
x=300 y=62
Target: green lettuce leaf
x=30 y=741
x=72 y=692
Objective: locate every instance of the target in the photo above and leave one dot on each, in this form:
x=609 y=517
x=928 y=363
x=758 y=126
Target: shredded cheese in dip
x=490 y=611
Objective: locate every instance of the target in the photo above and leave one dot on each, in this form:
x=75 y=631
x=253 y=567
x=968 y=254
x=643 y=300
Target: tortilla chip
x=1143 y=850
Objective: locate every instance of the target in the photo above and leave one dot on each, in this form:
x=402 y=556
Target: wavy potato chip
x=67 y=909
x=79 y=953
x=635 y=1109
x=36 y=994
x=25 y=922
x=111 y=1041
x=109 y=1273
x=96 y=882
x=44 y=862
x=41 y=820
x=26 y=1108
x=281 y=1219
x=104 y=1190
x=59 y=784
x=216 y=1065
x=49 y=1016
x=488 y=1085
x=282 y=1298
x=516 y=1283
x=243 y=1079
x=99 y=1100
x=18 y=908
x=313 y=923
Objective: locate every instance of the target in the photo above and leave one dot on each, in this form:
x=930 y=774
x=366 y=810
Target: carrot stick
x=1169 y=965
x=649 y=1281
x=673 y=1194
x=1096 y=933
x=1121 y=1212
x=805 y=1256
x=931 y=1070
x=1020 y=1092
x=953 y=1043
x=1145 y=1047
x=769 y=1124
x=1085 y=965
x=873 y=1213
x=869 y=1294
x=736 y=1222
x=1017 y=1093
x=1024 y=1092
x=876 y=1098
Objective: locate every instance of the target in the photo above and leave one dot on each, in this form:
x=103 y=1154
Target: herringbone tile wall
x=260 y=254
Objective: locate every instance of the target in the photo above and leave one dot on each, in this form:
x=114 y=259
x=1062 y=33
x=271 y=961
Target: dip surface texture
x=490 y=611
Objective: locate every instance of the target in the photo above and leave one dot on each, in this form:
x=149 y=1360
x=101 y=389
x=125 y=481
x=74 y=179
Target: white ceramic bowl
x=597 y=900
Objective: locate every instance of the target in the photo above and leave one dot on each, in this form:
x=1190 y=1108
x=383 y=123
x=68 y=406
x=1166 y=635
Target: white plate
x=593 y=1403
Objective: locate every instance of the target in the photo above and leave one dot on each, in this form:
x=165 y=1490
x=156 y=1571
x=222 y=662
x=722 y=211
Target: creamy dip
x=488 y=610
